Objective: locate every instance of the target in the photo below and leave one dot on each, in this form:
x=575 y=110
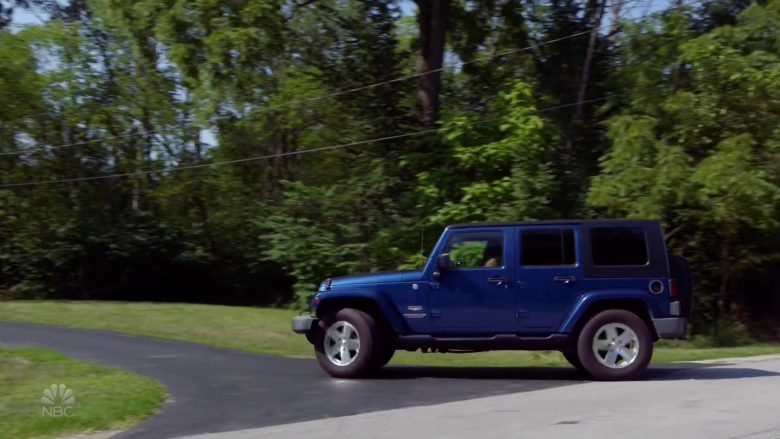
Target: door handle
x=499 y=281
x=565 y=279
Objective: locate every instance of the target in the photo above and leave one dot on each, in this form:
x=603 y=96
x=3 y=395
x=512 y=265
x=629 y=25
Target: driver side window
x=477 y=250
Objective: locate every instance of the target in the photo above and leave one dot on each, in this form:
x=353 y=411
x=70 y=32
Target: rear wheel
x=615 y=345
x=346 y=344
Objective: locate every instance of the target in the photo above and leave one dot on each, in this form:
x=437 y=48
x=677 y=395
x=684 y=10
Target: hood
x=377 y=278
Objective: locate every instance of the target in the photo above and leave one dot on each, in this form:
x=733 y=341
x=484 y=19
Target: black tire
x=573 y=359
x=591 y=363
x=365 y=359
x=383 y=357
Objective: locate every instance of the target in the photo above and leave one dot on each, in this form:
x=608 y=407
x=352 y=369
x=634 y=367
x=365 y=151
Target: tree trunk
x=583 y=88
x=725 y=278
x=142 y=158
x=135 y=198
x=614 y=28
x=775 y=315
x=432 y=19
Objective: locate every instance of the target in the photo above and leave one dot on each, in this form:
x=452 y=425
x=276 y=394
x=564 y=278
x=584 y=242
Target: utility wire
x=363 y=87
x=319 y=149
x=82 y=142
x=286 y=154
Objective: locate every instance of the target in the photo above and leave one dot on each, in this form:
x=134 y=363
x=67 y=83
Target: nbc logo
x=57 y=401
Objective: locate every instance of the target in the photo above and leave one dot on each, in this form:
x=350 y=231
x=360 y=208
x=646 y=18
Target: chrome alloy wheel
x=616 y=345
x=342 y=343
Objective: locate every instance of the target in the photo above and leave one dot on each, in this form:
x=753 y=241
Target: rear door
x=549 y=276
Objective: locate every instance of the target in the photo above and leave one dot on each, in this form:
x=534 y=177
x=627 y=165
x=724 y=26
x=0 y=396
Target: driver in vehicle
x=492 y=255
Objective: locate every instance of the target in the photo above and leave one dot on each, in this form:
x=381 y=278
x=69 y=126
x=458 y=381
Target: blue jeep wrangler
x=599 y=291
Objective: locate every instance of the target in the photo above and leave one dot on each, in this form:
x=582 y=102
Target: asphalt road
x=215 y=390
x=738 y=399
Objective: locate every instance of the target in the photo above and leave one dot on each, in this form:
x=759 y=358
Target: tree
x=271 y=107
x=432 y=18
x=695 y=159
x=499 y=170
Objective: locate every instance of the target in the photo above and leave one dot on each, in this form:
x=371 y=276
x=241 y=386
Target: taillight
x=675 y=291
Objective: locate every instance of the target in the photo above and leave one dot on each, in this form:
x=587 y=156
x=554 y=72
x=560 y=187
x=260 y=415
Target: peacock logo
x=57 y=401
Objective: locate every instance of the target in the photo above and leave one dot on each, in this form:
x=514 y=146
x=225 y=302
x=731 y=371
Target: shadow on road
x=481 y=373
x=660 y=373
x=705 y=372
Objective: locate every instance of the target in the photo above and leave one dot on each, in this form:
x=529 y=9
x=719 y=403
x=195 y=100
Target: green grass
x=267 y=331
x=105 y=398
x=260 y=330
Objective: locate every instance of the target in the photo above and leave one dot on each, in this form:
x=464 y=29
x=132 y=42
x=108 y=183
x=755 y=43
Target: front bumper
x=673 y=327
x=303 y=324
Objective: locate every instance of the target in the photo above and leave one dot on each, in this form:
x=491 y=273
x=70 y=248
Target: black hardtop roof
x=590 y=222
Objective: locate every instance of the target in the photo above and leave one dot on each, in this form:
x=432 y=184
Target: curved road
x=216 y=390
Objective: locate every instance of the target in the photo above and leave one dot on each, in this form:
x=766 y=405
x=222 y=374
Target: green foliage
x=725 y=333
x=349 y=227
x=680 y=124
x=702 y=162
x=468 y=255
x=498 y=170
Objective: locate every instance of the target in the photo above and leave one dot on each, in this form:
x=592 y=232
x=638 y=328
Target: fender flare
x=378 y=299
x=588 y=299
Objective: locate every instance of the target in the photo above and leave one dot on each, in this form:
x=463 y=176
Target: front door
x=476 y=291
x=549 y=279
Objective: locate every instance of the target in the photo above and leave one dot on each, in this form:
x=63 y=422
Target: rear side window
x=547 y=247
x=618 y=246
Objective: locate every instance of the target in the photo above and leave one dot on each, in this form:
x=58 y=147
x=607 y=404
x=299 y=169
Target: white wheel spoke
x=345 y=355
x=626 y=355
x=620 y=347
x=341 y=343
x=611 y=357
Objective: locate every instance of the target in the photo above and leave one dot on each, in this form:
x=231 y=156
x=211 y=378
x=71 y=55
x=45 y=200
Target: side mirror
x=443 y=262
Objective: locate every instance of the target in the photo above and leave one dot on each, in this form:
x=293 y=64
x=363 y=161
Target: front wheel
x=573 y=359
x=615 y=345
x=346 y=343
x=383 y=357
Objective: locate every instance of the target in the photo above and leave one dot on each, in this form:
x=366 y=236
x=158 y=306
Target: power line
x=225 y=162
x=286 y=154
x=319 y=149
x=82 y=142
x=363 y=87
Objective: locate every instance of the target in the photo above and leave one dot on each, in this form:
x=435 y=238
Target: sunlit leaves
x=501 y=164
